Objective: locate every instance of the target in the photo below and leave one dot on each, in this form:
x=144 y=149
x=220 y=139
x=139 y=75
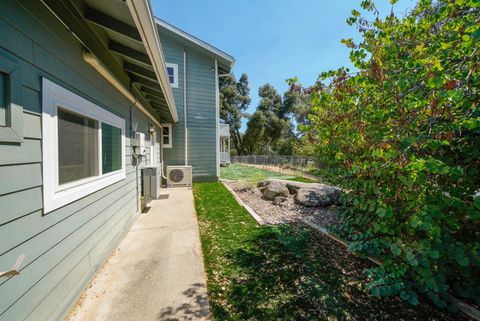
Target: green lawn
x=286 y=272
x=254 y=175
x=302 y=179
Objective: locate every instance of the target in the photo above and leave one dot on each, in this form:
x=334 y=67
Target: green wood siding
x=201 y=117
x=65 y=247
x=173 y=52
x=201 y=120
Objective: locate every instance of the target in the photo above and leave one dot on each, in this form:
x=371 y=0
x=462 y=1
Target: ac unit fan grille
x=176 y=175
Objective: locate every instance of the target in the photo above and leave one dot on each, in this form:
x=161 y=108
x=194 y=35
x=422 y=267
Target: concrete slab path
x=157 y=271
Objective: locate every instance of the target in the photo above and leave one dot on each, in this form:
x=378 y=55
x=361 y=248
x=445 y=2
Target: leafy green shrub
x=402 y=136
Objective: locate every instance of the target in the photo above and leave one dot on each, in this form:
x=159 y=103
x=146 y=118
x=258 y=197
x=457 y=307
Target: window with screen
x=77 y=147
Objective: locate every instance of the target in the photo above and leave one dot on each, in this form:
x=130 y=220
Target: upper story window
x=172 y=72
x=167 y=135
x=83 y=147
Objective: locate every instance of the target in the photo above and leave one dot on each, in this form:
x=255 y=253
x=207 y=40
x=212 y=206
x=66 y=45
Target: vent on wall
x=179 y=175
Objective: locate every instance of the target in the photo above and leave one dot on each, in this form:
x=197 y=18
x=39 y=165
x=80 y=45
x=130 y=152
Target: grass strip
x=286 y=272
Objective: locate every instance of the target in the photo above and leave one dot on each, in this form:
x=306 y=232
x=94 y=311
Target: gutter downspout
x=185 y=127
x=217 y=120
x=162 y=163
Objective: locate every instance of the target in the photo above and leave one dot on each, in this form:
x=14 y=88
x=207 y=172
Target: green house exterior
x=102 y=63
x=197 y=95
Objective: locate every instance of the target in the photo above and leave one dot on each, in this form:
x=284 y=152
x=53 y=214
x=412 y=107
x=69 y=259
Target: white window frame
x=175 y=74
x=55 y=195
x=169 y=145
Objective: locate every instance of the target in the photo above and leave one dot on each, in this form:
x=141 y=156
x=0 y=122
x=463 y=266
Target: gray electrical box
x=152 y=180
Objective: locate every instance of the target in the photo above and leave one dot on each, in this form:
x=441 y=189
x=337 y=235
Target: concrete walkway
x=156 y=273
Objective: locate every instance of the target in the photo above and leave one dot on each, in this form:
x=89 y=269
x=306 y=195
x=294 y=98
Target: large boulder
x=320 y=196
x=263 y=183
x=306 y=194
x=291 y=185
x=294 y=186
x=274 y=189
x=279 y=200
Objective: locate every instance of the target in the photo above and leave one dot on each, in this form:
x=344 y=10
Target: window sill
x=68 y=193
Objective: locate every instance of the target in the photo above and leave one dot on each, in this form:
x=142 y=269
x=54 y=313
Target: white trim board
x=54 y=195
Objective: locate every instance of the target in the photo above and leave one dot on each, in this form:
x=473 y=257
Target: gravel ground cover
x=287 y=212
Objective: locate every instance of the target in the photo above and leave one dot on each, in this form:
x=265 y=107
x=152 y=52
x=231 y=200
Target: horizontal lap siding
x=64 y=247
x=200 y=110
x=201 y=115
x=173 y=52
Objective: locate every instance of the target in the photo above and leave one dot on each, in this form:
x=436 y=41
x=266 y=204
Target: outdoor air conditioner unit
x=179 y=175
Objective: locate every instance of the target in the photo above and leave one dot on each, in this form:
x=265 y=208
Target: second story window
x=172 y=72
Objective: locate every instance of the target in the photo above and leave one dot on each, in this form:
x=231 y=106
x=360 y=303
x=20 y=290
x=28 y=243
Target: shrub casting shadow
x=197 y=309
x=293 y=273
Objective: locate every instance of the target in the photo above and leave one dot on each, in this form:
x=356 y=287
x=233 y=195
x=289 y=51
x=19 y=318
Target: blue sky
x=273 y=40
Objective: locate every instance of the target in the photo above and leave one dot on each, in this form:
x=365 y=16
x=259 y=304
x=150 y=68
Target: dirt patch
x=287 y=212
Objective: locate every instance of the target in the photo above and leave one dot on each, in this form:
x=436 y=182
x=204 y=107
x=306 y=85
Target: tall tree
x=243 y=92
x=297 y=101
x=255 y=142
x=269 y=129
x=235 y=99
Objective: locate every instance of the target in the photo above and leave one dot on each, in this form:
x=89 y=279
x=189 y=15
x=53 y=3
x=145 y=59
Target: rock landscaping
x=279 y=201
x=317 y=197
x=273 y=188
x=306 y=194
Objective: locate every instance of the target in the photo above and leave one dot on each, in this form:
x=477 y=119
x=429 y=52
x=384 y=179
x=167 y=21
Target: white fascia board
x=142 y=15
x=217 y=52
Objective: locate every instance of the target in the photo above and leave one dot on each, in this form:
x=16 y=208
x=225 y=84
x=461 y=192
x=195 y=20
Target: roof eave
x=223 y=58
x=142 y=16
